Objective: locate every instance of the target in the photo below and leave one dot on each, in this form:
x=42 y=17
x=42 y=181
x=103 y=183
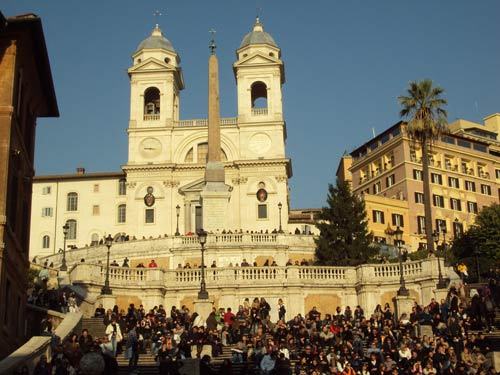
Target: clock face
x=150 y=148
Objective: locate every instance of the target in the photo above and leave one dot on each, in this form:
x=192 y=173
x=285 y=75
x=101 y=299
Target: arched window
x=152 y=101
x=72 y=202
x=202 y=149
x=71 y=229
x=122 y=187
x=189 y=156
x=46 y=242
x=122 y=213
x=259 y=95
x=94 y=239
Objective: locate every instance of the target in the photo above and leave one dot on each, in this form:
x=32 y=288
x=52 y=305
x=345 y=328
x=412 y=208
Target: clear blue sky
x=346 y=62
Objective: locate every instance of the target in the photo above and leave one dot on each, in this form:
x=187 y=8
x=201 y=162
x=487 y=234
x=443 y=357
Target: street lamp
x=106 y=290
x=441 y=284
x=65 y=228
x=280 y=206
x=398 y=237
x=178 y=211
x=202 y=237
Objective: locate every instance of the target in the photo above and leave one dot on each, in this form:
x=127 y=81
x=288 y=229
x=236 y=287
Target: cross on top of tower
x=212 y=44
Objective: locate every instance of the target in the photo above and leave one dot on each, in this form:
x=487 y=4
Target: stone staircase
x=95 y=326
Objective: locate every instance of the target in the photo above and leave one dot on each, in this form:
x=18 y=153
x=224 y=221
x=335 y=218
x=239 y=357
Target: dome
x=156 y=40
x=258 y=36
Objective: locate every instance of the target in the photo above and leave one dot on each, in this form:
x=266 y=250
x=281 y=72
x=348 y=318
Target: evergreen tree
x=344 y=239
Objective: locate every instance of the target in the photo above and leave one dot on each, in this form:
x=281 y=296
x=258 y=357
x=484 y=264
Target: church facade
x=159 y=191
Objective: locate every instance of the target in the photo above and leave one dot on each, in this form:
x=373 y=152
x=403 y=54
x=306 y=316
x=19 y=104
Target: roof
x=78 y=176
x=156 y=41
x=258 y=36
x=32 y=24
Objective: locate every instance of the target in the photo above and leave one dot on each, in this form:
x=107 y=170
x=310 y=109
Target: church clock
x=150 y=148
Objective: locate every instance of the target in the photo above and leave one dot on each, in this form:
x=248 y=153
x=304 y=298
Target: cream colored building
x=167 y=156
x=465 y=176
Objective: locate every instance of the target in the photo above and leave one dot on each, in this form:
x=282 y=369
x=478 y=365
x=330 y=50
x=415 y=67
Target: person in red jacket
x=152 y=264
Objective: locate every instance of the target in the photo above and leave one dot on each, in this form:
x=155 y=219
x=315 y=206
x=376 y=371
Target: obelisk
x=215 y=194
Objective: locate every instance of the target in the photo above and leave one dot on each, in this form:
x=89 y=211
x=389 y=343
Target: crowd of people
x=442 y=337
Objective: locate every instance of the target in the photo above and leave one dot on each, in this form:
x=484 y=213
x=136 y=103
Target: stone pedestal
x=215 y=201
x=203 y=307
x=108 y=301
x=404 y=305
x=440 y=294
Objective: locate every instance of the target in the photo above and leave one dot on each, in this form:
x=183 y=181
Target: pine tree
x=344 y=239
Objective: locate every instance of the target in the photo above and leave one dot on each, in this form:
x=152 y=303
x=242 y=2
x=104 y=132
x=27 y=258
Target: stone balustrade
x=204 y=122
x=264 y=243
x=242 y=277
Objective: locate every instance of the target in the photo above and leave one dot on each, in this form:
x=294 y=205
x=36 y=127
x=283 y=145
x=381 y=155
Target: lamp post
x=441 y=284
x=280 y=206
x=106 y=290
x=398 y=236
x=178 y=211
x=65 y=228
x=202 y=237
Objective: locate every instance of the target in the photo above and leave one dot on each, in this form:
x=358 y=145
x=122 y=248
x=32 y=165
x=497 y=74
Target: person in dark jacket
x=211 y=322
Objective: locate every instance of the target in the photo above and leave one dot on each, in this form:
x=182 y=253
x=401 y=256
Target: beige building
x=465 y=176
x=158 y=190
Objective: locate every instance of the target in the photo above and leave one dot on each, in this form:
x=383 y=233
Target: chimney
x=80 y=170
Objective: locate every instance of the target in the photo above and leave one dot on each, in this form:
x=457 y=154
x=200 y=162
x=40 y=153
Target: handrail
x=30 y=353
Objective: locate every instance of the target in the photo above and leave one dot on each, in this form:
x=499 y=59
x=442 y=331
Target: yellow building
x=465 y=176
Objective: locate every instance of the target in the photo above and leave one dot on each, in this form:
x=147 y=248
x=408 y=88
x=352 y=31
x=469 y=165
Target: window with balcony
x=472 y=207
x=436 y=178
x=455 y=204
x=485 y=189
x=72 y=202
x=417 y=175
x=397 y=220
x=453 y=182
x=390 y=180
x=419 y=197
x=378 y=217
x=421 y=224
x=151 y=104
x=377 y=188
x=470 y=186
x=438 y=200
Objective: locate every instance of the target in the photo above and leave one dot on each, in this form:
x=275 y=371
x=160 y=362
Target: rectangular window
x=436 y=178
x=458 y=229
x=497 y=173
x=47 y=212
x=441 y=225
x=463 y=143
x=149 y=215
x=96 y=210
x=421 y=224
x=96 y=188
x=472 y=207
x=389 y=181
x=470 y=186
x=455 y=204
x=377 y=188
x=448 y=139
x=419 y=197
x=485 y=189
x=417 y=175
x=378 y=217
x=438 y=200
x=479 y=147
x=262 y=211
x=46 y=190
x=397 y=220
x=122 y=213
x=122 y=187
x=453 y=182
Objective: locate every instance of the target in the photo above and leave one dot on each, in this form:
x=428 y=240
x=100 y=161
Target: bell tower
x=259 y=74
x=155 y=83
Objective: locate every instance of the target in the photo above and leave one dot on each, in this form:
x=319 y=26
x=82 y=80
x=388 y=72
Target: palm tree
x=423 y=108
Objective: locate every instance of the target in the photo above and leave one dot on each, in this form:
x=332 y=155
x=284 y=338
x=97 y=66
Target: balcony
x=155 y=117
x=204 y=122
x=259 y=111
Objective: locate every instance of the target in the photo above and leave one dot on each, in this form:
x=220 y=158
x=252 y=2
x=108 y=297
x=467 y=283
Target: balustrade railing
x=322 y=273
x=151 y=117
x=259 y=111
x=392 y=270
x=204 y=122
